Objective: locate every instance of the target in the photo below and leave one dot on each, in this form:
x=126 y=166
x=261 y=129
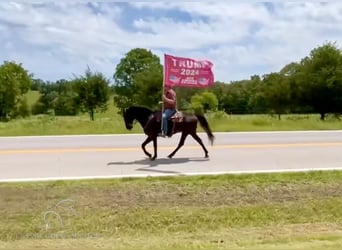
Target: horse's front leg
x=148 y=140
x=180 y=144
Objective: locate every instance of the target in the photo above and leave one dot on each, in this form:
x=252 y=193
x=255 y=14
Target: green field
x=110 y=122
x=275 y=211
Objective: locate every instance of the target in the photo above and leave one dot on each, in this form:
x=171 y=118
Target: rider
x=170 y=107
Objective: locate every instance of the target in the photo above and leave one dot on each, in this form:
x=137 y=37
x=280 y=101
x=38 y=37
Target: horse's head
x=136 y=113
x=128 y=118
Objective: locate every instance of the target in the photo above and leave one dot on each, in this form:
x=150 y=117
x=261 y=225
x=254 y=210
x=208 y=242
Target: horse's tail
x=204 y=124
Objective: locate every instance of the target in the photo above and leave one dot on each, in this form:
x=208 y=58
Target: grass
x=111 y=122
x=53 y=125
x=260 y=211
x=228 y=123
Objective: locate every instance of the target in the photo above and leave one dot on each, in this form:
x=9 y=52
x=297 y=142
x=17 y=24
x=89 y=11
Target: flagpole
x=163 y=89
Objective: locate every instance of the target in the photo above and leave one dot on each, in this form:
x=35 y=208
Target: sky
x=60 y=39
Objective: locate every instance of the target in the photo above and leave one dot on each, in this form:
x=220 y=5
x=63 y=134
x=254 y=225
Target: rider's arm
x=169 y=98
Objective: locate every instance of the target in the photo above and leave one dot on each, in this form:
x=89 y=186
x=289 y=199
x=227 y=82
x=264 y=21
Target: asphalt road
x=110 y=156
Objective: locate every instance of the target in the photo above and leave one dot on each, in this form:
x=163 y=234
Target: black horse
x=150 y=121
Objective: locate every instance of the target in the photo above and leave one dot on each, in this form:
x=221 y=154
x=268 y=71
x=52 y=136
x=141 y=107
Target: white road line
x=265 y=171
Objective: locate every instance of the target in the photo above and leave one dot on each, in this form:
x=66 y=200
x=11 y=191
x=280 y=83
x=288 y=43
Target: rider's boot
x=161 y=133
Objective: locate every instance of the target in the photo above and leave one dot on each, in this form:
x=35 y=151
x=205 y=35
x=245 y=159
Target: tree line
x=312 y=85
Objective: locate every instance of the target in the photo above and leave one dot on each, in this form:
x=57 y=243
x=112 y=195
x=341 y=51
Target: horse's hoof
x=206 y=156
x=169 y=156
x=153 y=158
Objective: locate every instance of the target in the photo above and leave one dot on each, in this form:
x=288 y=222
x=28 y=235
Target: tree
x=236 y=98
x=57 y=97
x=148 y=86
x=319 y=79
x=46 y=102
x=220 y=91
x=37 y=84
x=23 y=109
x=15 y=81
x=201 y=103
x=289 y=72
x=65 y=102
x=137 y=61
x=92 y=92
x=277 y=93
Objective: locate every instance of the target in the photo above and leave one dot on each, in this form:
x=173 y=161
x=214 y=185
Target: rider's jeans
x=166 y=115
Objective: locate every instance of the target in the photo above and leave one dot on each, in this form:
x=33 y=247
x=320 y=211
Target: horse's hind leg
x=148 y=140
x=199 y=140
x=180 y=144
x=155 y=148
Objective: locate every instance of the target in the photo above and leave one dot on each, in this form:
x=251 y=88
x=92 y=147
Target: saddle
x=177 y=117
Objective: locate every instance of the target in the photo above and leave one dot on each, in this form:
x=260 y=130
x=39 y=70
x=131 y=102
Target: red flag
x=187 y=72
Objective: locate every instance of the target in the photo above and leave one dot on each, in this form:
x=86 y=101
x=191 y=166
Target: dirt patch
x=18 y=200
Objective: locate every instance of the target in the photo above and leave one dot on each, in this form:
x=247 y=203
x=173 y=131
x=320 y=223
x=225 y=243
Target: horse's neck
x=143 y=116
x=142 y=121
